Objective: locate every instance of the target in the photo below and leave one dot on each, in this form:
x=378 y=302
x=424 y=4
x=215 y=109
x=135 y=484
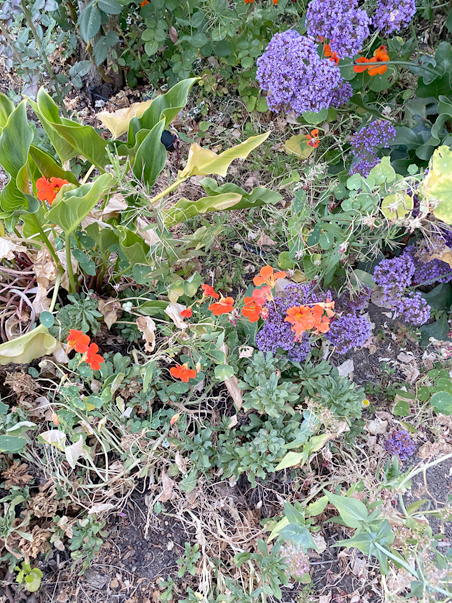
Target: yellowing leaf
x=397 y=206
x=28 y=347
x=438 y=183
x=202 y=162
x=118 y=122
x=298 y=145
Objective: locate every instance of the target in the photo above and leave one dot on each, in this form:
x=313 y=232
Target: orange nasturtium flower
x=260 y=296
x=78 y=341
x=330 y=55
x=313 y=138
x=144 y=3
x=304 y=318
x=93 y=358
x=48 y=189
x=268 y=276
x=249 y=1
x=224 y=306
x=209 y=292
x=186 y=313
x=182 y=372
x=251 y=309
x=380 y=56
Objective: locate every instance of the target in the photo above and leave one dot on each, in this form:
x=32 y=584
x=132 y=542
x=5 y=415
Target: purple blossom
x=352 y=303
x=295 y=76
x=365 y=143
x=349 y=331
x=391 y=16
x=400 y=443
x=427 y=272
x=414 y=309
x=393 y=276
x=341 y=95
x=341 y=22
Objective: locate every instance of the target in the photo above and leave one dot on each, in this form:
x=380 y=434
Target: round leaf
x=47 y=319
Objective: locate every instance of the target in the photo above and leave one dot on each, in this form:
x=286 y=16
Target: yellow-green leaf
x=185 y=209
x=438 y=183
x=397 y=206
x=290 y=460
x=202 y=162
x=28 y=347
x=298 y=145
x=118 y=122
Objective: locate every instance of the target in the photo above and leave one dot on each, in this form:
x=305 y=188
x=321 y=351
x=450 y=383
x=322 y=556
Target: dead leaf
x=173 y=34
x=74 y=452
x=114 y=583
x=245 y=351
x=147 y=326
x=265 y=240
x=281 y=284
x=168 y=485
x=173 y=310
x=377 y=426
x=429 y=450
x=181 y=463
x=41 y=302
x=325 y=598
x=445 y=255
x=236 y=393
x=149 y=235
x=346 y=368
x=8 y=248
x=319 y=542
x=110 y=310
x=100 y=508
x=376 y=297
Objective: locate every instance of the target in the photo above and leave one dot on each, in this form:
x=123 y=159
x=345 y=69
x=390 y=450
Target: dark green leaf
x=89 y=21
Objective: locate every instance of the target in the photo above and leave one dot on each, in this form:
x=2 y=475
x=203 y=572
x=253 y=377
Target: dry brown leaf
x=110 y=310
x=265 y=240
x=147 y=326
x=232 y=385
x=8 y=248
x=319 y=542
x=245 y=351
x=377 y=426
x=168 y=485
x=173 y=310
x=150 y=236
x=232 y=422
x=173 y=34
x=41 y=302
x=432 y=449
x=181 y=463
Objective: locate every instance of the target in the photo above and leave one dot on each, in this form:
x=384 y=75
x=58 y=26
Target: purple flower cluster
x=276 y=333
x=428 y=272
x=352 y=303
x=414 y=309
x=400 y=443
x=391 y=16
x=296 y=559
x=393 y=276
x=349 y=331
x=340 y=21
x=365 y=143
x=341 y=95
x=295 y=76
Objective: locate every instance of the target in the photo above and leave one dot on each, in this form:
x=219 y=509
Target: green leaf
x=261 y=105
x=167 y=106
x=133 y=246
x=401 y=408
x=89 y=21
x=223 y=372
x=147 y=378
x=189 y=483
x=48 y=166
x=298 y=534
x=315 y=118
x=378 y=83
x=151 y=156
x=6 y=108
x=438 y=329
x=111 y=7
x=317 y=507
x=77 y=204
x=440 y=297
x=438 y=183
x=291 y=459
x=47 y=319
x=352 y=511
x=442 y=403
x=383 y=172
x=83 y=140
x=28 y=347
x=411 y=509
x=298 y=145
x=11 y=444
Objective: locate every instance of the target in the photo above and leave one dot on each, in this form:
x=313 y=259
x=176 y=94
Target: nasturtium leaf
x=223 y=372
x=11 y=444
x=437 y=185
x=47 y=319
x=442 y=402
x=298 y=145
x=397 y=206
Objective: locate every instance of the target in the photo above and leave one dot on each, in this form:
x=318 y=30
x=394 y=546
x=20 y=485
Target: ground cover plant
x=225 y=301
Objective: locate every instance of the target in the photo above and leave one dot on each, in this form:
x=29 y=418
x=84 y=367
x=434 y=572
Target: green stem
x=88 y=174
x=422 y=469
x=406 y=63
x=11 y=44
x=47 y=243
x=70 y=272
x=168 y=190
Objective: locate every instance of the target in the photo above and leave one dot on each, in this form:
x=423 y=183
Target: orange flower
x=48 y=189
x=144 y=3
x=174 y=418
x=330 y=55
x=182 y=372
x=93 y=358
x=304 y=318
x=78 y=341
x=251 y=309
x=275 y=2
x=249 y=1
x=260 y=296
x=186 y=313
x=224 y=306
x=380 y=56
x=209 y=292
x=267 y=276
x=313 y=138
